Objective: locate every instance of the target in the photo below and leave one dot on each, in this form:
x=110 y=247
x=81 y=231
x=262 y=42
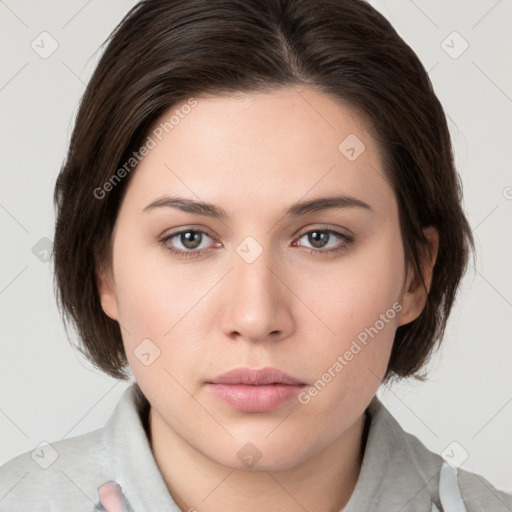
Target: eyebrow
x=296 y=210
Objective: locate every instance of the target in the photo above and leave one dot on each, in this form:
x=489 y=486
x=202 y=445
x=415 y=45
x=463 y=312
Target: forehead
x=244 y=149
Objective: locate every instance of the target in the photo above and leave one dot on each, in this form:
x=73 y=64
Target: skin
x=111 y=497
x=255 y=155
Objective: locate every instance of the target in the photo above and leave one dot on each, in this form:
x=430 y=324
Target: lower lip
x=248 y=398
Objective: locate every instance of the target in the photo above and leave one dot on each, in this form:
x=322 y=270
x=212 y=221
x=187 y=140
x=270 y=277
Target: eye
x=320 y=239
x=190 y=241
x=193 y=242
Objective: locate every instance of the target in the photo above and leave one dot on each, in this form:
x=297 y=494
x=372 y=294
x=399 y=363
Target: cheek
x=360 y=304
x=148 y=300
x=158 y=302
x=363 y=285
x=152 y=293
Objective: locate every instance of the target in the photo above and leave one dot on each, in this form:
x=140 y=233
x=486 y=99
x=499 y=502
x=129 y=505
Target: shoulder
x=54 y=474
x=479 y=494
x=446 y=483
x=65 y=475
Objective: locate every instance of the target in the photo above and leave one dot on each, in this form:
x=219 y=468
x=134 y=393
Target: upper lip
x=256 y=377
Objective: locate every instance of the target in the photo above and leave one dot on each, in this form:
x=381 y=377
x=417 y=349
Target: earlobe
x=415 y=295
x=107 y=294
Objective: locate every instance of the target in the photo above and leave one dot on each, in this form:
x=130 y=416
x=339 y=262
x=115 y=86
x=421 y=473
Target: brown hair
x=166 y=51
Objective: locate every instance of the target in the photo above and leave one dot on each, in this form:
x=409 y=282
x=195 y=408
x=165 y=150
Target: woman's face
x=315 y=292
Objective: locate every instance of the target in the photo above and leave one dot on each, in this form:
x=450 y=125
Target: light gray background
x=49 y=393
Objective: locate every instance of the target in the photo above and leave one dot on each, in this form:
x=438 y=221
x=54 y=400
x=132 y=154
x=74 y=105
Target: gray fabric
x=398 y=472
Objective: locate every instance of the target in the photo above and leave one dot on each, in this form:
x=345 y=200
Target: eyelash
x=346 y=239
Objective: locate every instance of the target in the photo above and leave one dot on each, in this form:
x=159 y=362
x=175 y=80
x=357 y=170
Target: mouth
x=255 y=390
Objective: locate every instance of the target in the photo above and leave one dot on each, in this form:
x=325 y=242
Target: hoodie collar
x=391 y=477
x=130 y=457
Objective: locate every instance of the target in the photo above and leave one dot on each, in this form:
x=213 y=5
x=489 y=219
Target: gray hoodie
x=398 y=473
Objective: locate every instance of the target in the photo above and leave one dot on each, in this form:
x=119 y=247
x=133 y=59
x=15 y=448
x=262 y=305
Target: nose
x=258 y=303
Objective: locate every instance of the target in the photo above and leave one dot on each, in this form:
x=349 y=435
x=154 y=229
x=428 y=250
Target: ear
x=415 y=295
x=106 y=290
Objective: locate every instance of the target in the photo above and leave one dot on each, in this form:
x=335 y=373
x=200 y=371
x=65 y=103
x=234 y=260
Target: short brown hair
x=166 y=51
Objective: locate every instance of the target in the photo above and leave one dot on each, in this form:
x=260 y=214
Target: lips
x=255 y=390
x=256 y=377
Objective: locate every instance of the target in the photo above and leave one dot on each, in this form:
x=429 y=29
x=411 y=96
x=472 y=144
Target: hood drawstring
x=449 y=492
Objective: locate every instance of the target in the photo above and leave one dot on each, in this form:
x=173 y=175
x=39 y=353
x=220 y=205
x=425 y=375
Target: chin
x=256 y=457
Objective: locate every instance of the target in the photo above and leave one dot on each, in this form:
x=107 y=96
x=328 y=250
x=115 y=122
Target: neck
x=323 y=483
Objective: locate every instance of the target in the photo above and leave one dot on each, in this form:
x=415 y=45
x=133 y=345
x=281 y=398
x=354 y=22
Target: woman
x=260 y=219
